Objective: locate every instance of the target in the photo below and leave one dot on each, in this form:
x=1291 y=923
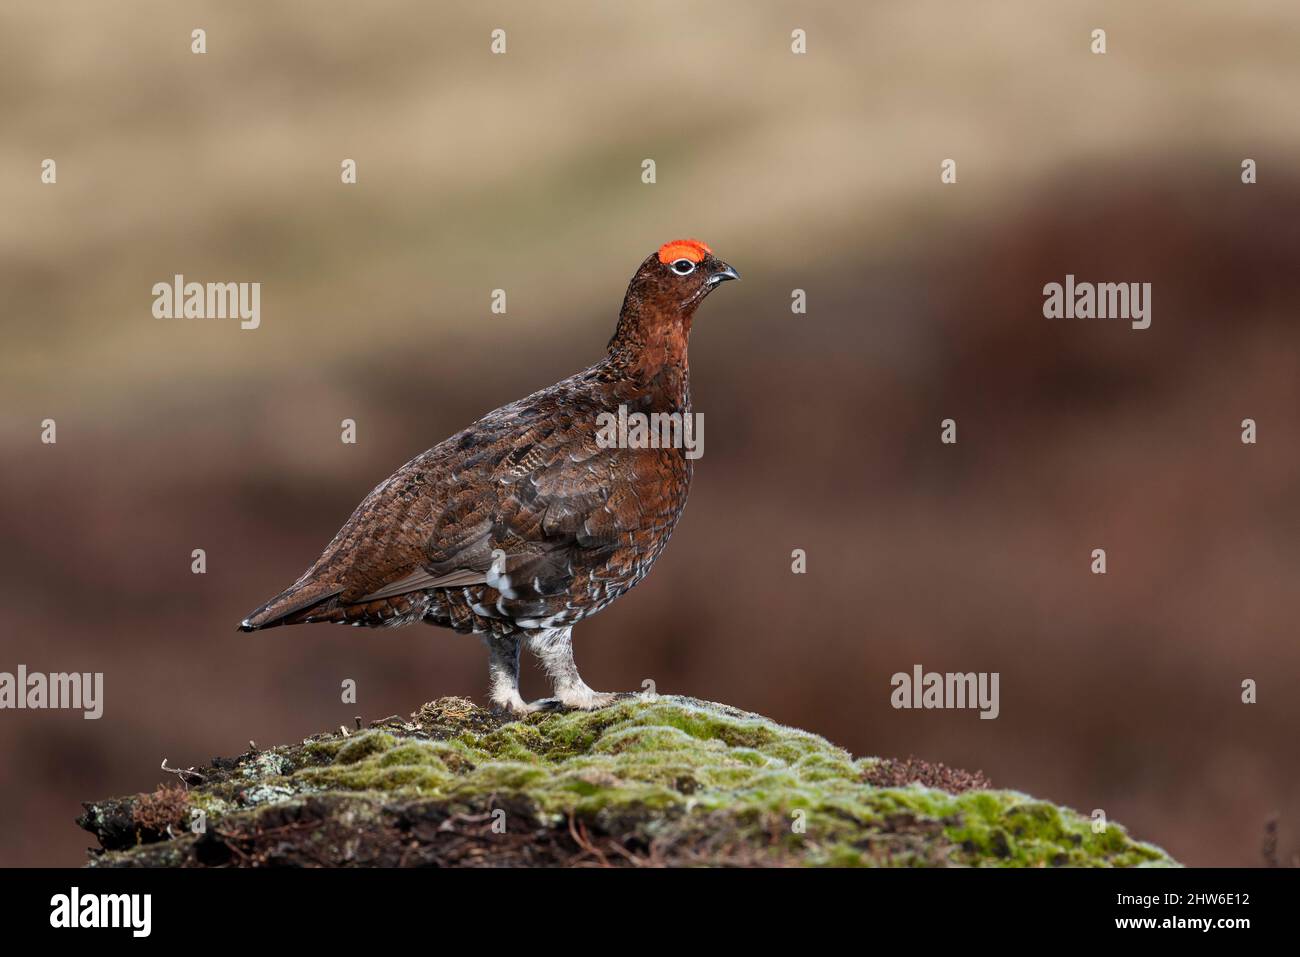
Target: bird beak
x=721 y=273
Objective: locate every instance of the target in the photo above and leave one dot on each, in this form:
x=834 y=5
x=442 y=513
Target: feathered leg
x=554 y=648
x=503 y=672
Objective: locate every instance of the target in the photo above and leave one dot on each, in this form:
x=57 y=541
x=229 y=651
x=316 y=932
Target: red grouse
x=532 y=518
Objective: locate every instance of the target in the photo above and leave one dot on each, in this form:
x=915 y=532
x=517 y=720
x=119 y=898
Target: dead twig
x=182 y=773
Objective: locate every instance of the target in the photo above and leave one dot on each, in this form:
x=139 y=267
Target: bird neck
x=649 y=350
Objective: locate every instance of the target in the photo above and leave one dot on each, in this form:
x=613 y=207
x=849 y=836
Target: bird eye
x=683 y=267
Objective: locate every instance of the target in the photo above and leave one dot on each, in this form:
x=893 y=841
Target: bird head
x=681 y=274
x=655 y=320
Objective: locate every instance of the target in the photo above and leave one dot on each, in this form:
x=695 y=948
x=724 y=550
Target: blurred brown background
x=820 y=172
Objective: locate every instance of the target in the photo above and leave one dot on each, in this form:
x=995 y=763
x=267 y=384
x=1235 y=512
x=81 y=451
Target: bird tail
x=305 y=600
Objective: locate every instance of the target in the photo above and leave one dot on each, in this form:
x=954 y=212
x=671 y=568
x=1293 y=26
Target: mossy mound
x=664 y=780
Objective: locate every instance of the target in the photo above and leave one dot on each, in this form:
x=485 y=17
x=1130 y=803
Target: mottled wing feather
x=578 y=524
x=534 y=487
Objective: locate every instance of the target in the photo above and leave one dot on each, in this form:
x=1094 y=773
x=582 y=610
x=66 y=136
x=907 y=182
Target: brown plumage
x=526 y=522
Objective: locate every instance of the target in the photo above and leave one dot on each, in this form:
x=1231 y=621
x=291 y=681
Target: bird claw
x=584 y=701
x=546 y=704
x=588 y=700
x=517 y=710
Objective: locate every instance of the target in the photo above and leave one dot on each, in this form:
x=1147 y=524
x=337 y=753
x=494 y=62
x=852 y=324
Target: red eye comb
x=691 y=249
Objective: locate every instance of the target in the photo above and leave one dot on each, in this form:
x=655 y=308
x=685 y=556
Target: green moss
x=377 y=762
x=323 y=751
x=1037 y=833
x=363 y=746
x=211 y=804
x=682 y=773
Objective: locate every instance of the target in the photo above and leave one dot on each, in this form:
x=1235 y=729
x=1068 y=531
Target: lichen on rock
x=659 y=780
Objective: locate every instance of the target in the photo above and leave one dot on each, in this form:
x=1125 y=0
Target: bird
x=539 y=514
